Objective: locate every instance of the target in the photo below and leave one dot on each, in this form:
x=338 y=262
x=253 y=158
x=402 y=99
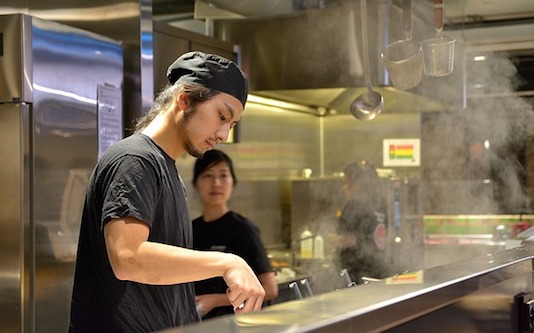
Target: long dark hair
x=196 y=93
x=210 y=158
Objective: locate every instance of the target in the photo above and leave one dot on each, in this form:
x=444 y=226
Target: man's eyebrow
x=230 y=109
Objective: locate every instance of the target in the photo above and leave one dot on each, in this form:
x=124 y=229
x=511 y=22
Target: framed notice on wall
x=401 y=152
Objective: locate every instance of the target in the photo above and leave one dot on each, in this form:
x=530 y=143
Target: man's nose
x=223 y=133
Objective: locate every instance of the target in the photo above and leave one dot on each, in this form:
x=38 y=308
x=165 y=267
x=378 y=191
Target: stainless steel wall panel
x=50 y=146
x=15 y=239
x=69 y=64
x=348 y=140
x=314 y=204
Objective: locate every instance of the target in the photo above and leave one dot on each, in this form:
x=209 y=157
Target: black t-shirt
x=367 y=222
x=230 y=233
x=134 y=178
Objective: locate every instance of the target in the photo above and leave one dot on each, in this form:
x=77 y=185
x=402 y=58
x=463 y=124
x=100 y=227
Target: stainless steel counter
x=388 y=304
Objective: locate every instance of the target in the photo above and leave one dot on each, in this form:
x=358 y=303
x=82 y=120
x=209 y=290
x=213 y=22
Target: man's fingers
x=251 y=304
x=243 y=304
x=235 y=298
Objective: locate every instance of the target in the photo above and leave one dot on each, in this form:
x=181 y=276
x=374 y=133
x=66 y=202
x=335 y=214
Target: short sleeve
x=131 y=189
x=253 y=250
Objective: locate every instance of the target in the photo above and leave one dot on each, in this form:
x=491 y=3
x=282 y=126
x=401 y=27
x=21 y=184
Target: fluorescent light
x=255 y=99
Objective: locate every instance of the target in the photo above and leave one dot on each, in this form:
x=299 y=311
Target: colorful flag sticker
x=401 y=152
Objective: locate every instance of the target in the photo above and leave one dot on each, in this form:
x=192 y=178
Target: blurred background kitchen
x=456 y=153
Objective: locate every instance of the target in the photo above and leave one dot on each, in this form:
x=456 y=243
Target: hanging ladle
x=369 y=104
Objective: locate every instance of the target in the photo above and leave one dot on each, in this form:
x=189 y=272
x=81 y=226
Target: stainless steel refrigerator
x=60 y=107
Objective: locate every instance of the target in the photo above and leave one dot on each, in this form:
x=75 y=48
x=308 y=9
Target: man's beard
x=189 y=146
x=192 y=150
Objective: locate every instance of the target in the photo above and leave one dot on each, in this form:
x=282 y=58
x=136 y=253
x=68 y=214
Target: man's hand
x=245 y=291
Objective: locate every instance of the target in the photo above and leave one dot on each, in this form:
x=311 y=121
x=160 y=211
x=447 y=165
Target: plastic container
x=438 y=56
x=318 y=247
x=306 y=244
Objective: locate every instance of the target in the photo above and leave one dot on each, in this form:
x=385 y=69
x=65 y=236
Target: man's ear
x=183 y=100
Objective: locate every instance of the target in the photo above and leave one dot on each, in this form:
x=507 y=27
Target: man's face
x=210 y=123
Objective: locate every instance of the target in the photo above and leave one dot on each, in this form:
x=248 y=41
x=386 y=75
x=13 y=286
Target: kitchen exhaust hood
x=313 y=56
x=332 y=101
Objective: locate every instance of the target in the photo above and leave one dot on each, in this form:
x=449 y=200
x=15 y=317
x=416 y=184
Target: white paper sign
x=109 y=101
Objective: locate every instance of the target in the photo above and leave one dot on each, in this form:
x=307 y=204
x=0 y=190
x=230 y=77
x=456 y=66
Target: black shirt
x=134 y=178
x=230 y=233
x=367 y=222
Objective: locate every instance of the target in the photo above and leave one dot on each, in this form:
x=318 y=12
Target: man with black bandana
x=361 y=233
x=135 y=266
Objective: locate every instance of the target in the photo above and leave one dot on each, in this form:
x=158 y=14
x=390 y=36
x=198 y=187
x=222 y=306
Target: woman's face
x=215 y=184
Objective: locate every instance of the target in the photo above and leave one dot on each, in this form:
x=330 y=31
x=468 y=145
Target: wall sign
x=401 y=152
x=109 y=101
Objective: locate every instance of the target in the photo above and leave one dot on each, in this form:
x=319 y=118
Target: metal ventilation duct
x=314 y=56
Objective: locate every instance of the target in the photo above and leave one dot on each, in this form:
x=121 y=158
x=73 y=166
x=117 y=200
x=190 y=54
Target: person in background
x=361 y=233
x=135 y=265
x=221 y=229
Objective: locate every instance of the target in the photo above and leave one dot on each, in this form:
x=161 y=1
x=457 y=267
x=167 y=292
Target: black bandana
x=211 y=71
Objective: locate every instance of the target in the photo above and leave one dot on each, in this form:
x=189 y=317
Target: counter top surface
x=381 y=304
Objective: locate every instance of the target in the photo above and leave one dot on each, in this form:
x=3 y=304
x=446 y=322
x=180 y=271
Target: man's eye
x=223 y=118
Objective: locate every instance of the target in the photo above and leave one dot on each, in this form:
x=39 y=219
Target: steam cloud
x=489 y=120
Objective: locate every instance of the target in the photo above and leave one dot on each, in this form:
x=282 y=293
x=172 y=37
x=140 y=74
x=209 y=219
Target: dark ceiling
x=170 y=7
